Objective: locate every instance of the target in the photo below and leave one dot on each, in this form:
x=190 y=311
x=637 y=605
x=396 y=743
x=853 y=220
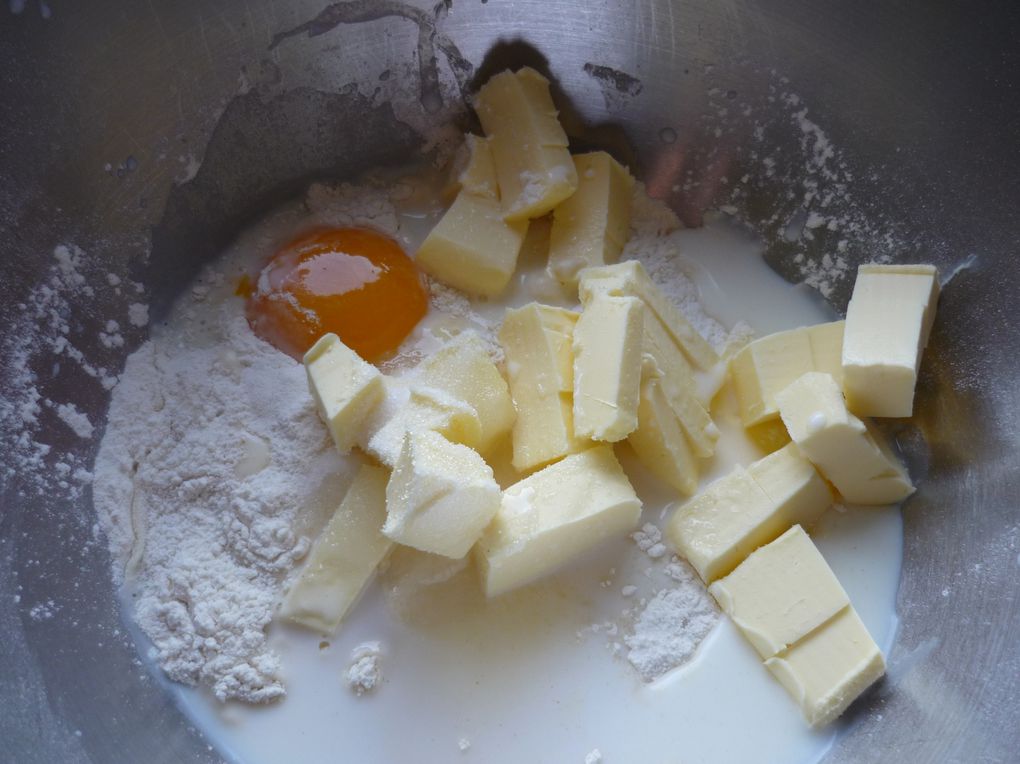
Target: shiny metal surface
x=923 y=101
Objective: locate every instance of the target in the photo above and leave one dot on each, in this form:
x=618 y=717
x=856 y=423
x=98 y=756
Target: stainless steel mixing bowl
x=108 y=106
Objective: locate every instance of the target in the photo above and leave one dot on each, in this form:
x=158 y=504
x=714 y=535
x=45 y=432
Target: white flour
x=665 y=631
x=672 y=625
x=211 y=465
x=55 y=322
x=75 y=419
x=364 y=674
x=667 y=614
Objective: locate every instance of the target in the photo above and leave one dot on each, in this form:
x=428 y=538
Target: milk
x=523 y=678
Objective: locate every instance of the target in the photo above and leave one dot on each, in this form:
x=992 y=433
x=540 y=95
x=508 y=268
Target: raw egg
x=353 y=282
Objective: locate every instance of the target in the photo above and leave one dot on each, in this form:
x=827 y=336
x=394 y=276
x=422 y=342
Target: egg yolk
x=353 y=282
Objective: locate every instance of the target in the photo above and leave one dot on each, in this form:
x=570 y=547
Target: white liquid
x=512 y=676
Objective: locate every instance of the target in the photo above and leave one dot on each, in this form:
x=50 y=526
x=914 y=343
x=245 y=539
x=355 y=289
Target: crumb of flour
x=649 y=541
x=77 y=420
x=138 y=314
x=364 y=673
x=593 y=756
x=463 y=745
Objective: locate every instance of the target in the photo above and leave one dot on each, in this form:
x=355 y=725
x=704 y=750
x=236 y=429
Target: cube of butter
x=529 y=148
x=630 y=279
x=607 y=349
x=440 y=497
x=465 y=370
x=851 y=455
x=472 y=248
x=780 y=593
x=746 y=509
x=344 y=557
x=426 y=408
x=478 y=176
x=591 y=226
x=793 y=484
x=769 y=436
x=345 y=388
x=827 y=348
x=720 y=526
x=829 y=668
x=538 y=343
x=767 y=365
x=554 y=515
x=664 y=360
x=660 y=442
x=888 y=322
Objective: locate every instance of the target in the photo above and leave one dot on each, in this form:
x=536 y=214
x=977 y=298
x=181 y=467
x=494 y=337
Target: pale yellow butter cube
x=723 y=524
x=849 y=453
x=780 y=593
x=591 y=226
x=465 y=370
x=767 y=365
x=425 y=409
x=478 y=176
x=664 y=360
x=345 y=388
x=344 y=557
x=750 y=507
x=829 y=668
x=630 y=279
x=659 y=440
x=396 y=392
x=793 y=484
x=607 y=368
x=769 y=436
x=529 y=148
x=888 y=322
x=440 y=497
x=472 y=248
x=555 y=515
x=827 y=348
x=537 y=341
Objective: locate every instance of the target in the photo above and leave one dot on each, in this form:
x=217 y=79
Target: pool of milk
x=516 y=679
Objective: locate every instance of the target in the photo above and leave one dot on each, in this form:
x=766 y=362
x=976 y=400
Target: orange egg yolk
x=353 y=282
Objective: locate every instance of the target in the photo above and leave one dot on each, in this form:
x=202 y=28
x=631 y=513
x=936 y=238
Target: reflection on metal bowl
x=149 y=133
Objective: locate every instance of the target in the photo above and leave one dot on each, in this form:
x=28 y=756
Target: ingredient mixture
x=475 y=436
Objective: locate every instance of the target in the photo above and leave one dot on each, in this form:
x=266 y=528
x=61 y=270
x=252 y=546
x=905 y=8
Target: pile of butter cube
x=744 y=533
x=622 y=368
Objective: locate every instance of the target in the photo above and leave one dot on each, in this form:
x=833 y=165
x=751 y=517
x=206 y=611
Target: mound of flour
x=212 y=456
